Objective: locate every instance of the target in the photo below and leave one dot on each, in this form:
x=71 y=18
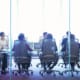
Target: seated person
x=44 y=36
x=4 y=42
x=48 y=48
x=3 y=45
x=73 y=46
x=64 y=41
x=21 y=53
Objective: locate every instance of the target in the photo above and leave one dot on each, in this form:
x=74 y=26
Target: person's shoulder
x=65 y=38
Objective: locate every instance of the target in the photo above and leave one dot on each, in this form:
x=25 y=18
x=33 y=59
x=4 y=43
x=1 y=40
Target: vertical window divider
x=69 y=52
x=10 y=55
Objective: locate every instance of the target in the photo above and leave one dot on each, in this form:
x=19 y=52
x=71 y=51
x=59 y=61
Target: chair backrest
x=74 y=52
x=20 y=49
x=74 y=49
x=48 y=47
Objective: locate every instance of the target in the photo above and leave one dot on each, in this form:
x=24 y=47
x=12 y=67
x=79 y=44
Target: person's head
x=2 y=35
x=49 y=36
x=21 y=36
x=68 y=32
x=45 y=34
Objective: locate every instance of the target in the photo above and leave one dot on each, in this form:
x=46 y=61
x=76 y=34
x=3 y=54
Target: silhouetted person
x=21 y=50
x=3 y=45
x=49 y=47
x=44 y=36
x=73 y=48
x=64 y=41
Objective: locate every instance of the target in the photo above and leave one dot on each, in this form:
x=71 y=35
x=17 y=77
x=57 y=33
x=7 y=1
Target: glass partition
x=42 y=15
x=33 y=17
x=5 y=16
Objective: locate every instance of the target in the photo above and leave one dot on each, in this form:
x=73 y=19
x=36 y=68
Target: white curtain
x=33 y=17
x=5 y=16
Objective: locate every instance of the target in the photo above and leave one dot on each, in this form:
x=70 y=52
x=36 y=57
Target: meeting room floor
x=36 y=75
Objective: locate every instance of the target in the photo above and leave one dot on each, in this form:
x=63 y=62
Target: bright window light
x=33 y=17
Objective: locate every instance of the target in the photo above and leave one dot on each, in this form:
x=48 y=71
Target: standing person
x=21 y=51
x=3 y=45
